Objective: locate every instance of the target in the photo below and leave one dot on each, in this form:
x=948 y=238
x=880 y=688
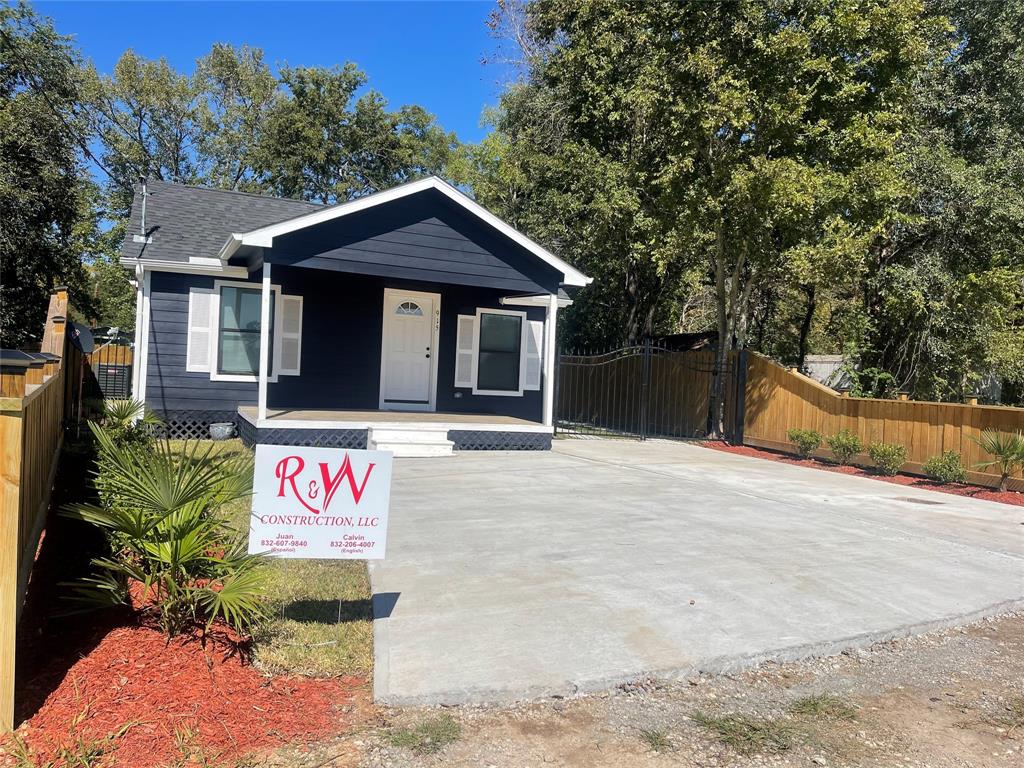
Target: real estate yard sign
x=322 y=503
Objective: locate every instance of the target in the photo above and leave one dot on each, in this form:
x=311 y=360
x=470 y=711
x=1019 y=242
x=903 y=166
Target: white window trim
x=523 y=330
x=215 y=331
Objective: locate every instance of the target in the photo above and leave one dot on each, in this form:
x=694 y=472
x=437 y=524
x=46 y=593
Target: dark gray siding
x=342 y=317
x=457 y=301
x=424 y=238
x=341 y=334
x=169 y=387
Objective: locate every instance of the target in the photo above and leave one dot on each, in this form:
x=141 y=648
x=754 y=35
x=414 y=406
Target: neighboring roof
x=264 y=235
x=185 y=221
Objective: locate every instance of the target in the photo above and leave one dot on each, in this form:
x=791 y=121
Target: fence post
x=645 y=388
x=13 y=369
x=557 y=385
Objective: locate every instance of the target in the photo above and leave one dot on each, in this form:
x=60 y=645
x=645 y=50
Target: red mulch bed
x=130 y=681
x=974 y=491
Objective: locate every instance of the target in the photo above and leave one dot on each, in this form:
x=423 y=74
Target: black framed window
x=499 y=352
x=238 y=342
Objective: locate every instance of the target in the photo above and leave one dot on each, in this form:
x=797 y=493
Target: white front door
x=409 y=350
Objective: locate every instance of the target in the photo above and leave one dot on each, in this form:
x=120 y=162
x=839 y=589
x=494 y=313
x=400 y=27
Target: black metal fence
x=645 y=391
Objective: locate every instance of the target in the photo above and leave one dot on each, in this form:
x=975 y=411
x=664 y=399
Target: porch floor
x=296 y=417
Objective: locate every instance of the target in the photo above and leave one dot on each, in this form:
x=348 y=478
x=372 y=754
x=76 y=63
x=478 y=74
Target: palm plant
x=157 y=508
x=1006 y=450
x=128 y=421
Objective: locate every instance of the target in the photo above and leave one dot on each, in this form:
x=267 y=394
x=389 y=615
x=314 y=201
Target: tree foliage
x=307 y=132
x=833 y=176
x=681 y=147
x=44 y=195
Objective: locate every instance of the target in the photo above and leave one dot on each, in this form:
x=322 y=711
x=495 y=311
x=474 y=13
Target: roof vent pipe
x=141 y=237
x=142 y=223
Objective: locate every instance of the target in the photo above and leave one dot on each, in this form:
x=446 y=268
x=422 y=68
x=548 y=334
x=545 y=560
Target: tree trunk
x=716 y=399
x=805 y=326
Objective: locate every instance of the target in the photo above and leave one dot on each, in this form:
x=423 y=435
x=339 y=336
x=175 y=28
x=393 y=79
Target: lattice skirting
x=481 y=440
x=192 y=425
x=320 y=438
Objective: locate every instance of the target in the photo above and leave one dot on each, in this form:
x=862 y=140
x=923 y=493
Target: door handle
x=427 y=355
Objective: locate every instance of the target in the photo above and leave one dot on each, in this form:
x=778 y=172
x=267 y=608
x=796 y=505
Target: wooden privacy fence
x=647 y=391
x=34 y=390
x=778 y=399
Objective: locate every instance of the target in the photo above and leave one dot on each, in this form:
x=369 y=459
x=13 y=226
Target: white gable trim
x=264 y=236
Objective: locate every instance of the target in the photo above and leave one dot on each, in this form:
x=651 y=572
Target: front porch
x=407 y=433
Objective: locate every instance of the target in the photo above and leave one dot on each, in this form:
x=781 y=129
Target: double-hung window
x=238 y=332
x=498 y=352
x=224 y=332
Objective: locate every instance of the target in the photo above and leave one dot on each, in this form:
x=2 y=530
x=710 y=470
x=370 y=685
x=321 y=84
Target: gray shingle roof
x=189 y=221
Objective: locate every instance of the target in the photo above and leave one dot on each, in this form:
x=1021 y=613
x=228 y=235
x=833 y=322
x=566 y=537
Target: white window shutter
x=289 y=343
x=201 y=327
x=464 y=350
x=534 y=353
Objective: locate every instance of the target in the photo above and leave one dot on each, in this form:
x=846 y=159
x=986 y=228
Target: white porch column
x=550 y=351
x=261 y=410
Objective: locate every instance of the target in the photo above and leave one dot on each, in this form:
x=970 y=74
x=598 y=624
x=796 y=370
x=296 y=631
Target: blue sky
x=427 y=53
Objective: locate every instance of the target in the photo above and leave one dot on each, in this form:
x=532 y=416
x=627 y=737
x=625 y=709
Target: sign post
x=320 y=503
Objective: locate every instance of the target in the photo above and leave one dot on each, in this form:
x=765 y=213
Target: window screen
x=499 y=352
x=238 y=346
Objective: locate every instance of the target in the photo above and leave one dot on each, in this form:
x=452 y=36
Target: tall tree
x=41 y=176
x=309 y=132
x=944 y=296
x=748 y=143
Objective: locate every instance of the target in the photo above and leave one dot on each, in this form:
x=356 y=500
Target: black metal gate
x=645 y=391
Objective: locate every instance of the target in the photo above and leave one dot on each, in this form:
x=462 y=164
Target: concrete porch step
x=410 y=442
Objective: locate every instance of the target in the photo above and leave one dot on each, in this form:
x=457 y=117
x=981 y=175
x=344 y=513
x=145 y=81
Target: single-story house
x=412 y=320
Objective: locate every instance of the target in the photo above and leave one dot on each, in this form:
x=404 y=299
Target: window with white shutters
x=534 y=354
x=290 y=342
x=464 y=353
x=200 y=330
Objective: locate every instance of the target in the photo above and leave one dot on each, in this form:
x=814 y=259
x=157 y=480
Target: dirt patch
x=957 y=489
x=954 y=698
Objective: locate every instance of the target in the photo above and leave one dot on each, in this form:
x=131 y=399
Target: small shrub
x=428 y=737
x=946 y=468
x=127 y=422
x=806 y=441
x=157 y=510
x=845 y=445
x=889 y=458
x=1006 y=450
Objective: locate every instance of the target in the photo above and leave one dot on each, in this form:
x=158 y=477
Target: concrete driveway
x=516 y=575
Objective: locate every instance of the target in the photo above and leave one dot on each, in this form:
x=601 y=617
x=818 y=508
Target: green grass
x=428 y=737
x=747 y=735
x=656 y=739
x=1012 y=718
x=824 y=705
x=321 y=621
